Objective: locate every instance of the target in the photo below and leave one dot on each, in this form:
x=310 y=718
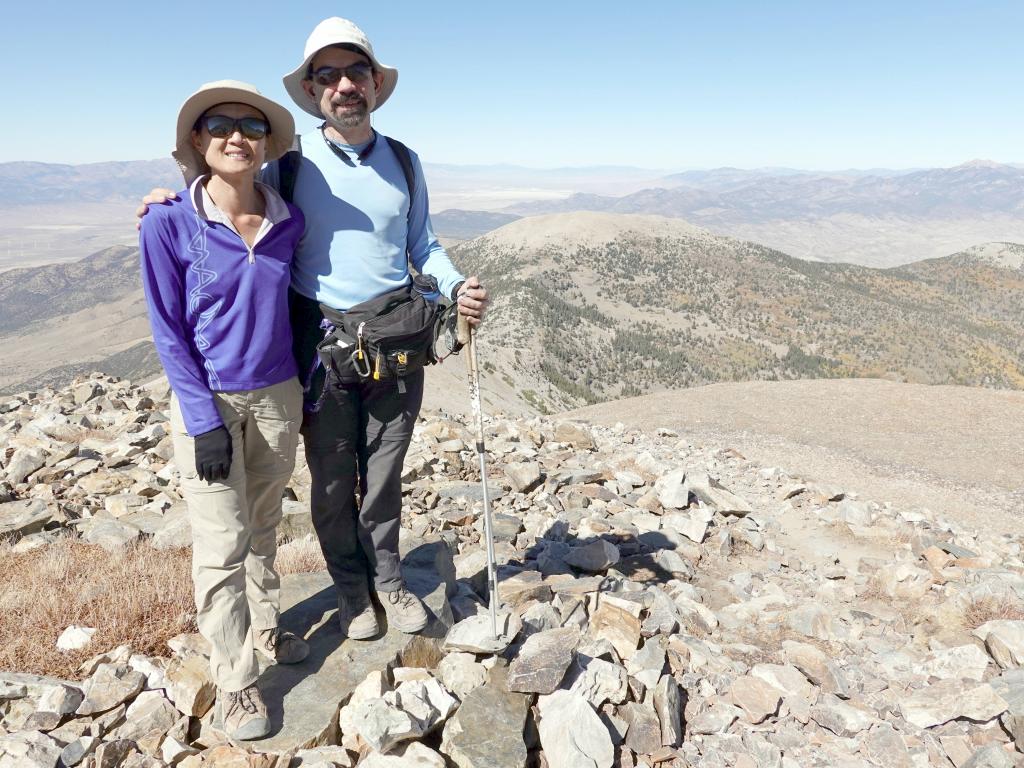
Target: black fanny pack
x=383 y=339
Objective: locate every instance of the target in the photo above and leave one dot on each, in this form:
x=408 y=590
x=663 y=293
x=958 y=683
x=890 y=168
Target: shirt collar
x=276 y=208
x=360 y=151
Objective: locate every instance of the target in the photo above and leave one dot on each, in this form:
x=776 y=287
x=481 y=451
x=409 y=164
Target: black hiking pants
x=357 y=440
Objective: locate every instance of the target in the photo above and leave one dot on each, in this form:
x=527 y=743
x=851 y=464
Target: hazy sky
x=668 y=85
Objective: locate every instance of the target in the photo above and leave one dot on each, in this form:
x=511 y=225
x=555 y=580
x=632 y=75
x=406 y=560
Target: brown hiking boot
x=243 y=715
x=405 y=611
x=282 y=647
x=357 y=617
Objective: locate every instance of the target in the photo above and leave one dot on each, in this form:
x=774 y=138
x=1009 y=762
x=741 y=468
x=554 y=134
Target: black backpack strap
x=287 y=170
x=405 y=160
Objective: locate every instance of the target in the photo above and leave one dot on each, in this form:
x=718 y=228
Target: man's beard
x=350 y=118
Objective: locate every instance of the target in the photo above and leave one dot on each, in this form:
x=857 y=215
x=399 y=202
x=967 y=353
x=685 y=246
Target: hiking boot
x=357 y=617
x=282 y=647
x=405 y=611
x=243 y=715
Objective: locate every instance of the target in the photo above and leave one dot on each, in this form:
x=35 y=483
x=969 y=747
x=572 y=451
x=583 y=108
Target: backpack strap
x=405 y=160
x=287 y=170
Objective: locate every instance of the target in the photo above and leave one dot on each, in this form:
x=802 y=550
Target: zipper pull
x=359 y=339
x=252 y=256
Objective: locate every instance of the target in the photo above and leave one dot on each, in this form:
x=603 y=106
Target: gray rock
x=543 y=660
x=595 y=557
x=384 y=725
x=121 y=504
x=524 y=476
x=948 y=700
x=576 y=435
x=24 y=517
x=756 y=698
x=964 y=662
x=672 y=491
x=189 y=684
x=487 y=730
x=841 y=718
x=149 y=712
x=717 y=496
x=76 y=751
x=817 y=667
x=110 y=685
x=475 y=634
x=23 y=462
x=412 y=755
x=460 y=673
x=990 y=756
x=112 y=535
x=882 y=745
x=597 y=680
x=668 y=703
x=643 y=731
x=28 y=749
x=175 y=532
x=715 y=719
x=426 y=700
x=61 y=699
x=1004 y=640
x=571 y=733
x=693 y=523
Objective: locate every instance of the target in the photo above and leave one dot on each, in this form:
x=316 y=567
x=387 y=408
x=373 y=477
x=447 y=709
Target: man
x=362 y=230
x=363 y=227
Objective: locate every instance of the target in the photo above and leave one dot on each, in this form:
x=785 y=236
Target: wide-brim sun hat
x=282 y=124
x=336 y=31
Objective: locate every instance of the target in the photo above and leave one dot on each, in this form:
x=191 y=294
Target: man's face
x=347 y=103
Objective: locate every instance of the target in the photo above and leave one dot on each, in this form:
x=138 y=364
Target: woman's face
x=234 y=154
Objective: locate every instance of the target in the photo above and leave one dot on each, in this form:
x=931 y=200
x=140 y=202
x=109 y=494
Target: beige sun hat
x=282 y=124
x=336 y=31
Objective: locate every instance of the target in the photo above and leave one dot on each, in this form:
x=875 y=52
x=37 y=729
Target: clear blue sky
x=673 y=85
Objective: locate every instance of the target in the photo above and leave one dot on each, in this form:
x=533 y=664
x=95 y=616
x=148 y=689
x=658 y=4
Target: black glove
x=213 y=455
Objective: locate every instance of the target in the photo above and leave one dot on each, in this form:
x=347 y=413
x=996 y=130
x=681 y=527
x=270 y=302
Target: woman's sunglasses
x=221 y=126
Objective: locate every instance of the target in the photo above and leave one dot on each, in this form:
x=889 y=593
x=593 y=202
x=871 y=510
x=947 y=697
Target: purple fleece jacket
x=218 y=310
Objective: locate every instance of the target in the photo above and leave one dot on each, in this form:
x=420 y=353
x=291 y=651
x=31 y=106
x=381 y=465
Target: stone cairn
x=663 y=604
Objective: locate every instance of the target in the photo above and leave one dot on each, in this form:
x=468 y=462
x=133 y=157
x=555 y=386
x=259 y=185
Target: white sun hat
x=282 y=124
x=336 y=31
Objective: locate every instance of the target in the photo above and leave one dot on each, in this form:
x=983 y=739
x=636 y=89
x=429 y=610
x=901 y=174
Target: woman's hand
x=213 y=455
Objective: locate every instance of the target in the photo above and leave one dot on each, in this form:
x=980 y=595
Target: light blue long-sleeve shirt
x=360 y=234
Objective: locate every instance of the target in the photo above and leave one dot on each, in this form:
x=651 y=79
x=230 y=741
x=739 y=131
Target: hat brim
x=282 y=124
x=293 y=81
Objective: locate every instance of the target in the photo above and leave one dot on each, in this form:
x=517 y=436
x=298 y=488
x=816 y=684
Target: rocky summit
x=662 y=602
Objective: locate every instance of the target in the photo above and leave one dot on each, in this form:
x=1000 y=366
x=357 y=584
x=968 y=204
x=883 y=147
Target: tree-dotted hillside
x=581 y=319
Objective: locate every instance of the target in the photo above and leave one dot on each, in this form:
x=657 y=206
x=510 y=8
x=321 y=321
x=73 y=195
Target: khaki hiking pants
x=234 y=523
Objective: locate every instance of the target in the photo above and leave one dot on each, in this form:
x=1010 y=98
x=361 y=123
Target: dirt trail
x=958 y=451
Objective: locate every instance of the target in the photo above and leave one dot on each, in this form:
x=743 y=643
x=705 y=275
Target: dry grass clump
x=300 y=556
x=990 y=608
x=139 y=596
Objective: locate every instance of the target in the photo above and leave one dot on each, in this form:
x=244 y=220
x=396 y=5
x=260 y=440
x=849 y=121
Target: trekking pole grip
x=463 y=330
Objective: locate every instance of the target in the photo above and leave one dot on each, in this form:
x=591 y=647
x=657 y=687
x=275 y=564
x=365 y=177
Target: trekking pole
x=467 y=336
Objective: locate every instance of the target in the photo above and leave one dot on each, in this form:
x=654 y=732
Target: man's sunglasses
x=222 y=126
x=358 y=73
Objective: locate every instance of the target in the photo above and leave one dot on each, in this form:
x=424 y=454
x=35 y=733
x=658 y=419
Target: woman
x=215 y=268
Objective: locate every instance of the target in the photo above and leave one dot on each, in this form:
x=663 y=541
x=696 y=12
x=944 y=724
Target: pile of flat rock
x=663 y=603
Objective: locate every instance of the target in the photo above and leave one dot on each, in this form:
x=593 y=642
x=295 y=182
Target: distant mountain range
x=878 y=218
x=591 y=307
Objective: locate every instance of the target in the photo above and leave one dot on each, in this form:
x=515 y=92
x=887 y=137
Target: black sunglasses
x=358 y=73
x=222 y=126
